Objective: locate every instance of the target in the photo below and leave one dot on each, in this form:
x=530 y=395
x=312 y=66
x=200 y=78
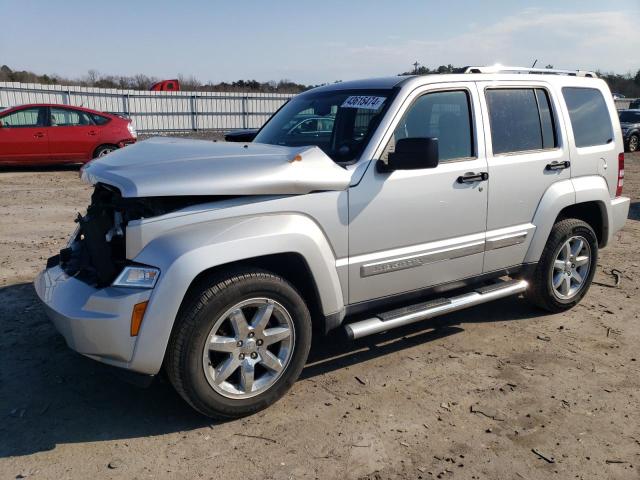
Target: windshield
x=630 y=117
x=339 y=122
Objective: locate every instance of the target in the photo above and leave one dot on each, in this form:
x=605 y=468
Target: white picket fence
x=156 y=111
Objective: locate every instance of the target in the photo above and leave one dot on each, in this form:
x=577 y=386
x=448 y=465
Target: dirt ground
x=502 y=391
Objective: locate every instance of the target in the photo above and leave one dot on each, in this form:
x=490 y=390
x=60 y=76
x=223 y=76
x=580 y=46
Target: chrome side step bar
x=422 y=311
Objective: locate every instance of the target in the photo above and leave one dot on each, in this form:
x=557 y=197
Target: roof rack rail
x=548 y=71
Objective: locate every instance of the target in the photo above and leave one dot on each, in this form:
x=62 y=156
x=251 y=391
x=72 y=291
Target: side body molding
x=184 y=253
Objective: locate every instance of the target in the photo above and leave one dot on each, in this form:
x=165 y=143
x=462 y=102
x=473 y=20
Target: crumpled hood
x=162 y=167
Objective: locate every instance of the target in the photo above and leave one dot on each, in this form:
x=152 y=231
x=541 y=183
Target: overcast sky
x=312 y=41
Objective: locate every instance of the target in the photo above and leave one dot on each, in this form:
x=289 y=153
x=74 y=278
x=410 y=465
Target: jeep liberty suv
x=423 y=195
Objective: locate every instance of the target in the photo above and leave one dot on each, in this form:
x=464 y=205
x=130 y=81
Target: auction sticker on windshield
x=365 y=102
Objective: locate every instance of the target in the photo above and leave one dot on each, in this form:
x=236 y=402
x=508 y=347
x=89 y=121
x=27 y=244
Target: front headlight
x=132 y=130
x=137 y=277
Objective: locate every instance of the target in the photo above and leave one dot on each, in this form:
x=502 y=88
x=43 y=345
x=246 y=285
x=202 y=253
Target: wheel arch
x=586 y=198
x=291 y=266
x=95 y=150
x=289 y=245
x=594 y=213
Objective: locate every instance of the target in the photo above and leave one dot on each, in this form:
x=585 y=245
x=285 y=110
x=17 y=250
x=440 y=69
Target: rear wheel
x=566 y=268
x=239 y=344
x=633 y=143
x=103 y=150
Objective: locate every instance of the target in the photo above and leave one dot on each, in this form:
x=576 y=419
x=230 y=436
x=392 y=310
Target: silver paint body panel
x=364 y=235
x=164 y=167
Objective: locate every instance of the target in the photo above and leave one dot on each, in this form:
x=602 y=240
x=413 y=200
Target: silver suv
x=426 y=195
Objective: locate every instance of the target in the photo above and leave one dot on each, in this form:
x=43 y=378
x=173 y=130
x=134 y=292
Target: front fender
x=184 y=253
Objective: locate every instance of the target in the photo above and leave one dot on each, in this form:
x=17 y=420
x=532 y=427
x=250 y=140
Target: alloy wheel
x=248 y=348
x=571 y=267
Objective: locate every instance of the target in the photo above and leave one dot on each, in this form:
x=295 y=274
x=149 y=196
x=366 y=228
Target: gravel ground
x=502 y=391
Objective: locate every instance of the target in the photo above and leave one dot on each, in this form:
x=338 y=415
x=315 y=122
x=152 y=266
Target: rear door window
x=521 y=120
x=589 y=116
x=64 y=117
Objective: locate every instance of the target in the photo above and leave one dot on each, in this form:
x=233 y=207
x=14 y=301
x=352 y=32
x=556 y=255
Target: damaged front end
x=96 y=253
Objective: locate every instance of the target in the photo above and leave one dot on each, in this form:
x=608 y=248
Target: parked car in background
x=166 y=86
x=44 y=134
x=635 y=104
x=245 y=135
x=300 y=131
x=618 y=96
x=630 y=123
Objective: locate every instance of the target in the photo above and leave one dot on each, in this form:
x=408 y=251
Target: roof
x=511 y=74
x=380 y=83
x=58 y=105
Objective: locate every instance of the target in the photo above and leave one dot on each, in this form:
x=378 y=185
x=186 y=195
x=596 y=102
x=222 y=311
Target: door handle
x=38 y=135
x=471 y=177
x=92 y=132
x=558 y=165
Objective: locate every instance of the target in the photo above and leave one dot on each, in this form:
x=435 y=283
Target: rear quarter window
x=99 y=119
x=589 y=116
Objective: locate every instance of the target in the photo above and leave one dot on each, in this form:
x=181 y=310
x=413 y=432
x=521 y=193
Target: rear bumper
x=619 y=213
x=95 y=322
x=128 y=141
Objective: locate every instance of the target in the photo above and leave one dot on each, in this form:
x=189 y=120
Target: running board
x=422 y=311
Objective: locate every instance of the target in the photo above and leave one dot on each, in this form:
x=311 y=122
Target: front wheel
x=239 y=344
x=634 y=143
x=566 y=268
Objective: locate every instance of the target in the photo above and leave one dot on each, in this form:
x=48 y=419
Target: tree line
x=626 y=84
x=141 y=81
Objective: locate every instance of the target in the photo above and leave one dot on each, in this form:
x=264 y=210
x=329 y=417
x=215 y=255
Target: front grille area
x=98 y=253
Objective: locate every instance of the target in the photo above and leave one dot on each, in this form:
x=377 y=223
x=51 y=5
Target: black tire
x=541 y=292
x=207 y=302
x=103 y=150
x=633 y=143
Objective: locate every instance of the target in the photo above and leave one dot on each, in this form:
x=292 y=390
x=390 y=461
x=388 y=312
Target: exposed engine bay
x=97 y=252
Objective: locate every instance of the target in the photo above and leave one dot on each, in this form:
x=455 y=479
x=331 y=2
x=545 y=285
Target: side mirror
x=412 y=154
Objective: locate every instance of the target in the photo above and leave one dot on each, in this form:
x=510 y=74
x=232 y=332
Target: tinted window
x=630 y=117
x=341 y=121
x=99 y=119
x=589 y=116
x=521 y=119
x=546 y=119
x=64 y=117
x=29 y=117
x=442 y=115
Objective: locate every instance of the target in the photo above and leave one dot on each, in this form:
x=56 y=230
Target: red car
x=44 y=134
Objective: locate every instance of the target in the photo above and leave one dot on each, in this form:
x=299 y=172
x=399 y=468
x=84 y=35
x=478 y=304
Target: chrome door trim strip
x=506 y=240
x=417 y=255
x=423 y=258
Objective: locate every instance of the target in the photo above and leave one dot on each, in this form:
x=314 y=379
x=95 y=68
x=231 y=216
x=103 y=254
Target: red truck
x=166 y=86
